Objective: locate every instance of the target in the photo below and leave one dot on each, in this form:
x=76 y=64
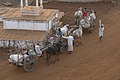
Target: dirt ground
x=92 y=60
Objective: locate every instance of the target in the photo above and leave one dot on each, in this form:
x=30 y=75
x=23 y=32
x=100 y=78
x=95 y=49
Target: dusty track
x=93 y=60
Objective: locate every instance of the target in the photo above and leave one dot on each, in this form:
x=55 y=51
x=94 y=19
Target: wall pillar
x=41 y=4
x=36 y=3
x=37 y=8
x=26 y=2
x=21 y=5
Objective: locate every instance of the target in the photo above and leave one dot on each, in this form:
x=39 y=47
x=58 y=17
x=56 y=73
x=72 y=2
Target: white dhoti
x=101 y=32
x=70 y=42
x=101 y=29
x=70 y=48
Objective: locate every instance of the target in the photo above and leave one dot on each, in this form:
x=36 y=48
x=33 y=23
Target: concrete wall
x=15 y=43
x=27 y=25
x=79 y=0
x=1 y=20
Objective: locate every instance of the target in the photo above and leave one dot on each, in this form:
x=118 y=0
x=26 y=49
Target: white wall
x=10 y=24
x=4 y=43
x=50 y=24
x=17 y=43
x=26 y=25
x=1 y=20
x=79 y=0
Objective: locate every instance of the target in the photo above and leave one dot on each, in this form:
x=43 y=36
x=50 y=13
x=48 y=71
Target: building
x=27 y=23
x=31 y=17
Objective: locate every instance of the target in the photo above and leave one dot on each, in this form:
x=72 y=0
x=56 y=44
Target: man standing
x=70 y=40
x=59 y=34
x=101 y=30
x=85 y=13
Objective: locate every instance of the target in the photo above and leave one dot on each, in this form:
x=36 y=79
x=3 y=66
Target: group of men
x=70 y=38
x=101 y=26
x=84 y=12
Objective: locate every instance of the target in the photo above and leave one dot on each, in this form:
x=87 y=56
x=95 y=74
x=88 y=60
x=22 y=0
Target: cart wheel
x=30 y=63
x=63 y=48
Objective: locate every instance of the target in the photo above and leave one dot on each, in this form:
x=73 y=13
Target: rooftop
x=15 y=14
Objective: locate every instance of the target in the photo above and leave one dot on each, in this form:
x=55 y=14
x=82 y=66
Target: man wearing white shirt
x=101 y=30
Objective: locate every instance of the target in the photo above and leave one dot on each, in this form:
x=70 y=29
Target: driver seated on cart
x=26 y=52
x=38 y=50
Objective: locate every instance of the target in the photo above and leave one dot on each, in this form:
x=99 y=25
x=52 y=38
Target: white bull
x=15 y=58
x=64 y=30
x=93 y=15
x=78 y=33
x=92 y=18
x=78 y=13
x=18 y=58
x=89 y=20
x=85 y=23
x=78 y=16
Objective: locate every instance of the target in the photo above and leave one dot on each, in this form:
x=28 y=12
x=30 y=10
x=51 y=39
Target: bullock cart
x=21 y=44
x=26 y=56
x=23 y=53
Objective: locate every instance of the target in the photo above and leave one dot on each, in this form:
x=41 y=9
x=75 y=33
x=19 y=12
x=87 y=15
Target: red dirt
x=92 y=60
